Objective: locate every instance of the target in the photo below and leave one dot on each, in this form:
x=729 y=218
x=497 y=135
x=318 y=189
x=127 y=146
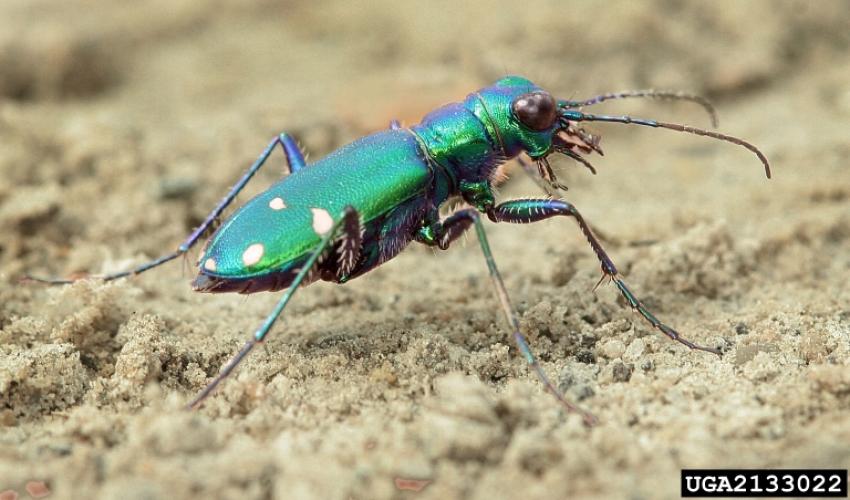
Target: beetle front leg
x=295 y=162
x=532 y=210
x=533 y=172
x=441 y=234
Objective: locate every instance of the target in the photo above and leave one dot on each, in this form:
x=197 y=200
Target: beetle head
x=526 y=118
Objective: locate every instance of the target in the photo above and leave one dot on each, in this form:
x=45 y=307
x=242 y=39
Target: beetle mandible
x=358 y=207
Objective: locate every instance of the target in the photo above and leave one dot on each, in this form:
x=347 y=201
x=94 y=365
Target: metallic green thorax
x=471 y=138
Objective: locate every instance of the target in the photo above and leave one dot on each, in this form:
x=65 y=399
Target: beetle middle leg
x=441 y=234
x=295 y=161
x=525 y=211
x=349 y=224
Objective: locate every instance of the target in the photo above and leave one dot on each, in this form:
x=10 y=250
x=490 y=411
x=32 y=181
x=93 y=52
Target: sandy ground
x=121 y=125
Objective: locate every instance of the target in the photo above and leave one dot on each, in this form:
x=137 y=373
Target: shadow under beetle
x=353 y=210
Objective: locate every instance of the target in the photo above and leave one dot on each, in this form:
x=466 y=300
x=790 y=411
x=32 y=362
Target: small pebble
x=622 y=371
x=585 y=356
x=613 y=349
x=411 y=484
x=37 y=489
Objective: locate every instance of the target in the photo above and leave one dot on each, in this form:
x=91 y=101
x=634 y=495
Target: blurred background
x=123 y=123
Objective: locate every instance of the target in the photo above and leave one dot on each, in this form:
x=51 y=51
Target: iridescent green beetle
x=361 y=205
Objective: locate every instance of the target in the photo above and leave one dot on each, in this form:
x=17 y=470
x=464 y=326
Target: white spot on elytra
x=322 y=221
x=253 y=254
x=277 y=203
x=209 y=264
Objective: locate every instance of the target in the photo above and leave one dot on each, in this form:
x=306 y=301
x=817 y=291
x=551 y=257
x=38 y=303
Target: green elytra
x=374 y=175
x=353 y=210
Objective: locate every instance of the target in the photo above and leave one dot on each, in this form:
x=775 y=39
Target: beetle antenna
x=667 y=95
x=577 y=116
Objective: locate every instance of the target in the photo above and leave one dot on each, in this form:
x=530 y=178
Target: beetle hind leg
x=309 y=267
x=295 y=161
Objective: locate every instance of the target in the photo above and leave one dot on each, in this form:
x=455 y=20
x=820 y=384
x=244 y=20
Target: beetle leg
x=395 y=124
x=533 y=210
x=294 y=156
x=295 y=162
x=348 y=216
x=441 y=234
x=542 y=174
x=534 y=173
x=531 y=169
x=349 y=246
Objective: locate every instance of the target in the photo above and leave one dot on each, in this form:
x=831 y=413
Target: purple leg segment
x=294 y=157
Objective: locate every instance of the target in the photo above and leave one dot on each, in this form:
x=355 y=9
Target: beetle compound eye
x=536 y=110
